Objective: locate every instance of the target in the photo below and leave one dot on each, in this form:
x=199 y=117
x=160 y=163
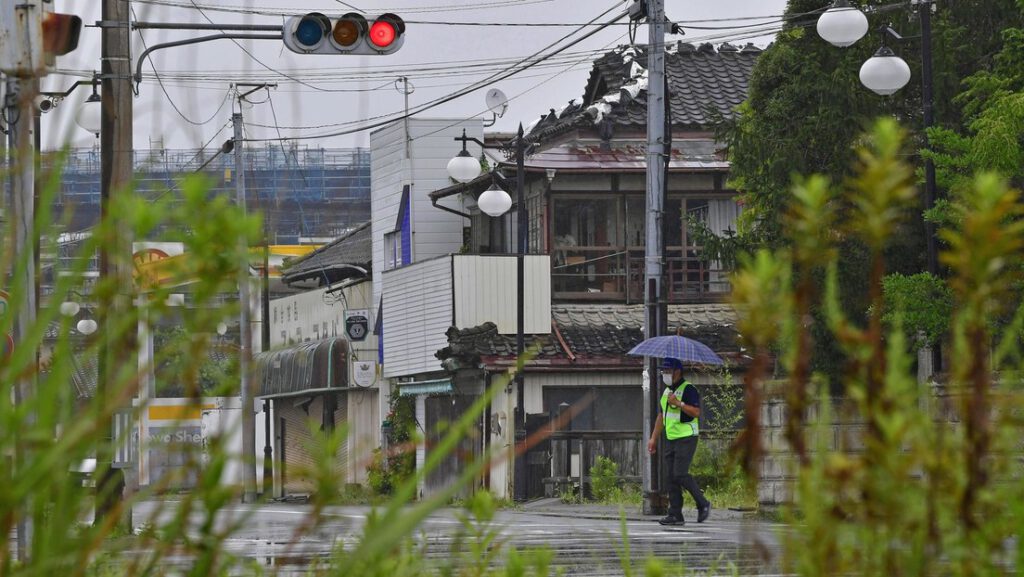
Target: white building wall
x=434 y=232
x=417 y=312
x=485 y=290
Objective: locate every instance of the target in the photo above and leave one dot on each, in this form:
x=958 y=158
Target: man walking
x=679 y=418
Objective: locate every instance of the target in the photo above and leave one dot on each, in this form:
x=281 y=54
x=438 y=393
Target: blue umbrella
x=677 y=347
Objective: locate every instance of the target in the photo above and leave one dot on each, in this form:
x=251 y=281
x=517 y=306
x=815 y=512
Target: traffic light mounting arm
x=142 y=57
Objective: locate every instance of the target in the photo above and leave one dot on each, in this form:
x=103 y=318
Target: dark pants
x=678 y=455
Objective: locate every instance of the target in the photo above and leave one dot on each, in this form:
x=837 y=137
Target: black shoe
x=703 y=513
x=672 y=520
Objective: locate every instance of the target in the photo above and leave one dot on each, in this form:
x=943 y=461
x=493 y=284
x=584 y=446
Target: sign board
x=357 y=324
x=364 y=373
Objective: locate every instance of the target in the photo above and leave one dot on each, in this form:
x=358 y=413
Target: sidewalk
x=555 y=507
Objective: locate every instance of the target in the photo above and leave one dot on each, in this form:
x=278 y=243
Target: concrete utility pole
x=116 y=157
x=654 y=305
x=21 y=126
x=245 y=330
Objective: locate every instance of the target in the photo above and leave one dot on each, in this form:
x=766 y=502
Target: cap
x=670 y=363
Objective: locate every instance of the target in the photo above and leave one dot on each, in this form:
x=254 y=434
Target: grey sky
x=213 y=66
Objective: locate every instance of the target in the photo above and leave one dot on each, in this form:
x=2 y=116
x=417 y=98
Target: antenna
x=497 y=103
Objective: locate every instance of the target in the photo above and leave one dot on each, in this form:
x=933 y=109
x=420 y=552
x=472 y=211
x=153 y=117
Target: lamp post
x=89 y=113
x=885 y=73
x=495 y=201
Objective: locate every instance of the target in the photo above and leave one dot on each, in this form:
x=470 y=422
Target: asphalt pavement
x=586 y=539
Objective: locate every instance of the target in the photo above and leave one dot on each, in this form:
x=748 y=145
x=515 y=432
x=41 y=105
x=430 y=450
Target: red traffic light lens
x=382 y=34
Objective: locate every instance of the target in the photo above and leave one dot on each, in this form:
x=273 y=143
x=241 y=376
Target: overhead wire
x=511 y=71
x=168 y=96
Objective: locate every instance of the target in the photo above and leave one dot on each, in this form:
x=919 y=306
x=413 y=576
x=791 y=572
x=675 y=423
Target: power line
x=269 y=11
x=515 y=69
x=168 y=96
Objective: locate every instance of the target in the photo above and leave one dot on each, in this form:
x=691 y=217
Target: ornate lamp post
x=495 y=201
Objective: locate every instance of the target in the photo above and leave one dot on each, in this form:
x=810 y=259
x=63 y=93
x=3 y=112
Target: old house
x=447 y=285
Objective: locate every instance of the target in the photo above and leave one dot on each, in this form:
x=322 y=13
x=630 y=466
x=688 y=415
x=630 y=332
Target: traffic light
x=32 y=36
x=315 y=33
x=60 y=35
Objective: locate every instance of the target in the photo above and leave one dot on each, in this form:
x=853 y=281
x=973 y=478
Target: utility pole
x=244 y=328
x=654 y=305
x=21 y=126
x=116 y=157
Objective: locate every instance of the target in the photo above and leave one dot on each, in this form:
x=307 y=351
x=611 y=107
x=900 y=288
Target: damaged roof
x=599 y=335
x=334 y=261
x=703 y=82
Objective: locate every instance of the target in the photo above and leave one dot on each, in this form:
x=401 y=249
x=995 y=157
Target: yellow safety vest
x=675 y=428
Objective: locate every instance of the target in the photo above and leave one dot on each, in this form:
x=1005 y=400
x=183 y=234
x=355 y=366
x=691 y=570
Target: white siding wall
x=485 y=290
x=417 y=312
x=434 y=231
x=364 y=432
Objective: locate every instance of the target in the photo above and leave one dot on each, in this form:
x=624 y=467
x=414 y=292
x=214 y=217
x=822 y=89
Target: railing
x=573 y=453
x=603 y=273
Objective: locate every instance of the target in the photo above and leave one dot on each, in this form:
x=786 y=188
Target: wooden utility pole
x=116 y=157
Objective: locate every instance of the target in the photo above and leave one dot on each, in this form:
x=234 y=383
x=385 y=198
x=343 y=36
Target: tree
x=806 y=108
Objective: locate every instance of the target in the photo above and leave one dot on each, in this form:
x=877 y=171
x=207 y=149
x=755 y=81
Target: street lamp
x=86 y=326
x=89 y=113
x=495 y=201
x=885 y=73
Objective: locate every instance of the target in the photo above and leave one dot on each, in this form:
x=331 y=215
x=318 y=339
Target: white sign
x=21 y=37
x=364 y=373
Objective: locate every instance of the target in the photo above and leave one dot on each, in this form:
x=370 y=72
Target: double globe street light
x=885 y=73
x=494 y=202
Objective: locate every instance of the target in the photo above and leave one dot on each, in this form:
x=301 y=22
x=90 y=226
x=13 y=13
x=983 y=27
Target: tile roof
x=687 y=155
x=598 y=334
x=334 y=258
x=703 y=81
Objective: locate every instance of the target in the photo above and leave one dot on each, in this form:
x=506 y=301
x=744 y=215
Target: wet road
x=582 y=545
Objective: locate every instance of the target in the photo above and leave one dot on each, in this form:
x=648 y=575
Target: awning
x=305 y=367
x=425 y=387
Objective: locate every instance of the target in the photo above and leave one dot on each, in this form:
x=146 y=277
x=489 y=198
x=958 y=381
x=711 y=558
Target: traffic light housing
x=351 y=33
x=32 y=36
x=60 y=35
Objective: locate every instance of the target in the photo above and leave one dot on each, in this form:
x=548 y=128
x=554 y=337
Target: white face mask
x=666 y=378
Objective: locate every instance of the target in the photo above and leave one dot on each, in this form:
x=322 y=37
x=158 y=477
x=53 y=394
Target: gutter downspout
x=561 y=341
x=433 y=201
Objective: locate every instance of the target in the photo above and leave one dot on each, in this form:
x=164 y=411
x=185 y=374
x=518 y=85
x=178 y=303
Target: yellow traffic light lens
x=346 y=32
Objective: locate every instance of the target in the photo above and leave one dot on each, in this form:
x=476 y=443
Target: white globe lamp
x=463 y=168
x=86 y=326
x=842 y=24
x=494 y=201
x=884 y=73
x=89 y=115
x=69 y=308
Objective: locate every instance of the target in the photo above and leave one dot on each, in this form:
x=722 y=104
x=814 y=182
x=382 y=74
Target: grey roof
x=601 y=334
x=334 y=260
x=703 y=82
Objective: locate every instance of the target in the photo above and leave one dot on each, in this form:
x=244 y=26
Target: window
x=588 y=246
x=392 y=249
x=610 y=408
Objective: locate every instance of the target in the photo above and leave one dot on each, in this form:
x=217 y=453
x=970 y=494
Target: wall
x=434 y=231
x=417 y=312
x=485 y=290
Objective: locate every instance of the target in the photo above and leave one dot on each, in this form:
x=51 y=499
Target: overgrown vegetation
x=925 y=488
x=390 y=470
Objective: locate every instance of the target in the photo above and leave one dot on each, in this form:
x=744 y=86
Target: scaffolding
x=302 y=191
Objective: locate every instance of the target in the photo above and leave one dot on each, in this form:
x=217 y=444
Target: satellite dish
x=497 y=102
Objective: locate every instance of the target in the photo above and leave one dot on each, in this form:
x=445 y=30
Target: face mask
x=666 y=378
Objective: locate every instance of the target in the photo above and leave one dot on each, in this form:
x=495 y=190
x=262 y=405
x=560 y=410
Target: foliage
x=177 y=349
x=920 y=304
x=913 y=495
x=387 y=474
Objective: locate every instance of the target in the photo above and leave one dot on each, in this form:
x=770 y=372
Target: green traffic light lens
x=309 y=32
